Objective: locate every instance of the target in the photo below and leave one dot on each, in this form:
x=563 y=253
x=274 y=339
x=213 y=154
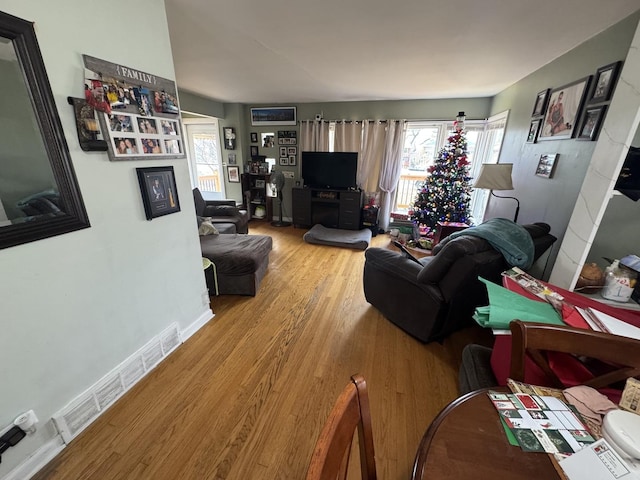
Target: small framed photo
x=260 y=183
x=284 y=161
x=546 y=164
x=268 y=140
x=292 y=160
x=229 y=138
x=254 y=137
x=604 y=83
x=283 y=151
x=540 y=105
x=292 y=151
x=158 y=189
x=233 y=174
x=534 y=128
x=232 y=159
x=591 y=122
x=254 y=150
x=287 y=137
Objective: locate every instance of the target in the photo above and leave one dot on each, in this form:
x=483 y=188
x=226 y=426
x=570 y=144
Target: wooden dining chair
x=330 y=459
x=533 y=340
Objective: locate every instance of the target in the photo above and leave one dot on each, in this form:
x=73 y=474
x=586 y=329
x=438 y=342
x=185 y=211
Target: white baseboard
x=37 y=460
x=200 y=322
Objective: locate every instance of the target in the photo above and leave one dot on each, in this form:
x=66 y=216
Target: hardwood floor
x=247 y=395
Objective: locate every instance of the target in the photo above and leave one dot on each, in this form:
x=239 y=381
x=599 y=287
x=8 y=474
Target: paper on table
x=597 y=461
x=506 y=306
x=602 y=322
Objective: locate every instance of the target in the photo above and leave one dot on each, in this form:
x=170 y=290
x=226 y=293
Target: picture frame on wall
x=287 y=137
x=254 y=150
x=292 y=160
x=266 y=116
x=254 y=137
x=563 y=111
x=232 y=159
x=534 y=128
x=233 y=174
x=591 y=122
x=283 y=151
x=158 y=190
x=540 y=105
x=605 y=80
x=229 y=138
x=284 y=161
x=546 y=165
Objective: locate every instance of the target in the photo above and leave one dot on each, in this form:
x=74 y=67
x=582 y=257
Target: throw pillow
x=207 y=228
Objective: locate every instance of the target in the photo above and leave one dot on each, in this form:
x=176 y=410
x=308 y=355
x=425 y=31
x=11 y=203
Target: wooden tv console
x=331 y=208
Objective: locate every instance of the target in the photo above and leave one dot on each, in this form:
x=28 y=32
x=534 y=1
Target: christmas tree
x=445 y=194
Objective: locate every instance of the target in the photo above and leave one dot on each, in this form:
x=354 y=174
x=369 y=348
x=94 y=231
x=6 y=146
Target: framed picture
x=268 y=140
x=604 y=84
x=266 y=116
x=254 y=137
x=260 y=183
x=591 y=122
x=254 y=150
x=540 y=105
x=229 y=138
x=546 y=164
x=284 y=161
x=287 y=137
x=534 y=128
x=292 y=151
x=233 y=174
x=283 y=151
x=232 y=159
x=292 y=160
x=562 y=114
x=158 y=189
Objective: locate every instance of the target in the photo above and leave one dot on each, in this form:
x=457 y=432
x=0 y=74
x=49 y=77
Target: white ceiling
x=281 y=51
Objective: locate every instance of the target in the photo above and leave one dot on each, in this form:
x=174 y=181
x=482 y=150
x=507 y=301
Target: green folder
x=506 y=306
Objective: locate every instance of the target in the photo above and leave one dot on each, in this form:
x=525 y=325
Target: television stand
x=328 y=207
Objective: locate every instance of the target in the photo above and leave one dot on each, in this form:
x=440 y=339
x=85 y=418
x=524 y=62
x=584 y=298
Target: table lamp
x=497 y=176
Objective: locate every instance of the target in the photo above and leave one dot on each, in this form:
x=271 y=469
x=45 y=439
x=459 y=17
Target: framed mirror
x=39 y=193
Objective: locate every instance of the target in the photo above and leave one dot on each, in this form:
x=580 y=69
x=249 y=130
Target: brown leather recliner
x=432 y=299
x=221 y=211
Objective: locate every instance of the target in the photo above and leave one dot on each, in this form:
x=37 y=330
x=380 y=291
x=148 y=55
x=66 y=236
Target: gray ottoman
x=240 y=261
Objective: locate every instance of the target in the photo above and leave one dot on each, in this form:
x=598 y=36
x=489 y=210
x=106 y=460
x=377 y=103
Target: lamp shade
x=495 y=176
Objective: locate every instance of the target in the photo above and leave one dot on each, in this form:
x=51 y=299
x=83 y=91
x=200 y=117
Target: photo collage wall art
x=138 y=112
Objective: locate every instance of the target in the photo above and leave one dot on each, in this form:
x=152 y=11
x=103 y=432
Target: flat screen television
x=333 y=170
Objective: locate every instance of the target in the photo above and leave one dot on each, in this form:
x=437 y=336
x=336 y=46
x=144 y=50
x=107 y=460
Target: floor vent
x=84 y=409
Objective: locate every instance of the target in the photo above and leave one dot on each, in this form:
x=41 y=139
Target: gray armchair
x=221 y=211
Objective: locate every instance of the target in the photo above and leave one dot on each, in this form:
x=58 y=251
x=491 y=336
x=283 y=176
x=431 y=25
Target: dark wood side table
x=467 y=441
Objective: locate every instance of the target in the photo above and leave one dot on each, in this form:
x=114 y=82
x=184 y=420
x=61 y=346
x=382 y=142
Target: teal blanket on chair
x=506 y=236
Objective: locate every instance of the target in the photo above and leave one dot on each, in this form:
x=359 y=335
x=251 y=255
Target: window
x=204 y=154
x=424 y=140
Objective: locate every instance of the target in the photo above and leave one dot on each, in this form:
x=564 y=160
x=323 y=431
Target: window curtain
x=370 y=158
x=391 y=168
x=314 y=136
x=348 y=137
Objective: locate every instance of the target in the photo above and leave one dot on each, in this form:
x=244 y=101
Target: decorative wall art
x=266 y=116
x=534 y=128
x=591 y=122
x=233 y=174
x=89 y=134
x=254 y=150
x=540 y=104
x=605 y=80
x=565 y=104
x=268 y=140
x=138 y=112
x=229 y=138
x=158 y=189
x=254 y=137
x=546 y=164
x=287 y=137
x=232 y=159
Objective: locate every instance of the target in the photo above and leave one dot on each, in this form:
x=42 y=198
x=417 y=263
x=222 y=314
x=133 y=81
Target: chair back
x=534 y=340
x=199 y=201
x=330 y=458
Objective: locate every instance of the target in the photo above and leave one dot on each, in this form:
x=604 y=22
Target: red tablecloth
x=567 y=368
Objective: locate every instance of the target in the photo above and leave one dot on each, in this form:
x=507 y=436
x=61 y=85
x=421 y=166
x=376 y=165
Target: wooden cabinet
x=255 y=188
x=331 y=208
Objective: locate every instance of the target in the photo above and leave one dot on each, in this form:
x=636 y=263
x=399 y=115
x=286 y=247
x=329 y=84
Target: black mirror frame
x=23 y=37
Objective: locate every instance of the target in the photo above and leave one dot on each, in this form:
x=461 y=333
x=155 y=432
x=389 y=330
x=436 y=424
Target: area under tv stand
x=329 y=207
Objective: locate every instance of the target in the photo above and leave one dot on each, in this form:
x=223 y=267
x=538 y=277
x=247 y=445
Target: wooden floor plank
x=247 y=395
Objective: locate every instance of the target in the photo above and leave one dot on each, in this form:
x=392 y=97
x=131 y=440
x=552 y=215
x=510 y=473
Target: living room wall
x=552 y=200
x=76 y=305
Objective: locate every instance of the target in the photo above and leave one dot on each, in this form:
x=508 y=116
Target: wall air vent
x=89 y=405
